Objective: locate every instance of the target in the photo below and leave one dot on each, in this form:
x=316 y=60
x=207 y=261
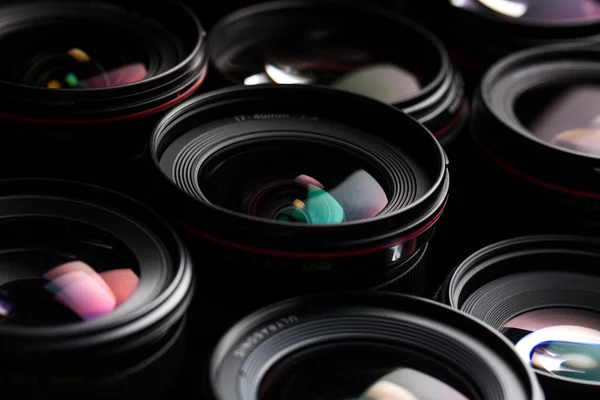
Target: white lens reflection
x=409 y=384
x=514 y=9
x=572 y=120
x=563 y=350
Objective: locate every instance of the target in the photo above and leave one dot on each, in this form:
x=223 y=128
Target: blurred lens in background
x=366 y=346
x=536 y=124
x=84 y=83
x=480 y=32
x=541 y=292
x=87 y=274
x=394 y=61
x=313 y=188
x=536 y=11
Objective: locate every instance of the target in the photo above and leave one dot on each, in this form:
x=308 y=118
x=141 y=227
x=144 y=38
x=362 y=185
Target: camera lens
x=75 y=77
x=535 y=11
x=316 y=187
x=541 y=105
x=85 y=274
x=370 y=346
x=542 y=293
x=294 y=42
x=506 y=26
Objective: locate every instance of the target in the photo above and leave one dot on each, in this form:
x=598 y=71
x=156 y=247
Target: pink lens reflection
x=84 y=296
x=80 y=288
x=120 y=76
x=123 y=282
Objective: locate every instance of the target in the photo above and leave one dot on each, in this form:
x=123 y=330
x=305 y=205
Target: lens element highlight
x=565 y=351
x=306 y=200
x=90 y=295
x=410 y=384
x=536 y=11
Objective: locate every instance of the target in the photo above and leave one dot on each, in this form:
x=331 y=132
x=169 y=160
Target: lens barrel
x=533 y=123
x=383 y=174
x=394 y=60
x=270 y=350
x=71 y=253
x=135 y=63
x=523 y=285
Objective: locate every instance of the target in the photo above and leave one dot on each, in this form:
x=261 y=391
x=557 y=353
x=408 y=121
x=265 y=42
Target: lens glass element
x=563 y=342
x=336 y=375
x=566 y=117
x=54 y=271
x=328 y=56
x=294 y=181
x=76 y=58
x=535 y=10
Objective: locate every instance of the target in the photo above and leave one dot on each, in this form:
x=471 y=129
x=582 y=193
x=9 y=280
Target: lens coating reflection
x=272 y=184
x=72 y=58
x=409 y=384
x=328 y=57
x=306 y=200
x=570 y=119
x=75 y=69
x=536 y=10
x=45 y=280
x=351 y=374
x=563 y=342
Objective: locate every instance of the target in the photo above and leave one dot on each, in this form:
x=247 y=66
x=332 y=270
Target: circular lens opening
x=324 y=47
x=328 y=56
x=75 y=56
x=348 y=373
x=536 y=10
x=561 y=341
x=565 y=116
x=55 y=271
x=294 y=181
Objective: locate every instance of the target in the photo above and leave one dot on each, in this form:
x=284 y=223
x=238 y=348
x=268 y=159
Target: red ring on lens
x=551 y=186
x=452 y=123
x=303 y=255
x=180 y=97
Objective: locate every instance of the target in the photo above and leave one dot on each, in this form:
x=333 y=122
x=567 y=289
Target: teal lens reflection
x=566 y=351
x=306 y=200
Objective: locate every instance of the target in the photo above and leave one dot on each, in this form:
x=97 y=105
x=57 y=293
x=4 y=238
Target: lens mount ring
x=261 y=340
x=166 y=279
x=310 y=101
x=440 y=104
x=68 y=106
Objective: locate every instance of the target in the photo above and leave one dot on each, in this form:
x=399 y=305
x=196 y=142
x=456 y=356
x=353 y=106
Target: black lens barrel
x=529 y=176
x=440 y=105
x=99 y=127
x=278 y=331
x=139 y=339
x=516 y=276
